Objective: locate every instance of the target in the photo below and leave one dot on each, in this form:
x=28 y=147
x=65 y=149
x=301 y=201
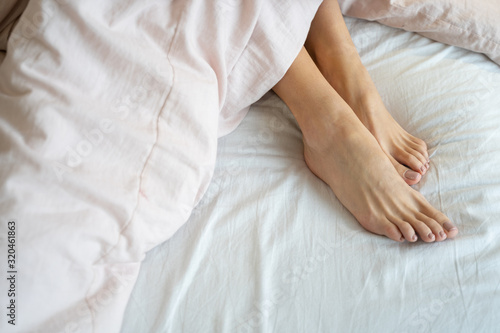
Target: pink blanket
x=109 y=117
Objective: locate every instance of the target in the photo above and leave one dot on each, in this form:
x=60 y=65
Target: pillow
x=470 y=24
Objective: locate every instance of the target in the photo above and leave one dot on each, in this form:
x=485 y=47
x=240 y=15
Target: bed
x=268 y=247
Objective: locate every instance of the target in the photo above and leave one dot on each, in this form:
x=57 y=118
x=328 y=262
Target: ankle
x=337 y=124
x=353 y=83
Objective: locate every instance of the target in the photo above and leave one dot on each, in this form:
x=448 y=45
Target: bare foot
x=334 y=53
x=407 y=153
x=351 y=162
x=341 y=151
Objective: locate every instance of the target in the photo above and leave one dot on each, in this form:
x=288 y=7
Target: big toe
x=451 y=229
x=409 y=176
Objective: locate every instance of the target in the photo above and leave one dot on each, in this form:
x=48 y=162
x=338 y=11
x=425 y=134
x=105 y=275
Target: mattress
x=270 y=248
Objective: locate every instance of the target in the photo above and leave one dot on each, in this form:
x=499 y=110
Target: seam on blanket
x=153 y=146
x=452 y=24
x=148 y=158
x=155 y=143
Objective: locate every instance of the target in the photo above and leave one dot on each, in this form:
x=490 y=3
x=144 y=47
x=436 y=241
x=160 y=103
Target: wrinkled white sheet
x=270 y=248
x=109 y=117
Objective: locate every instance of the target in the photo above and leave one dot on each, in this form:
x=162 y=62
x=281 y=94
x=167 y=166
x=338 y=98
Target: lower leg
x=343 y=153
x=333 y=51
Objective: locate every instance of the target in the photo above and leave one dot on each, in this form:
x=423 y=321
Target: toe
x=436 y=228
x=411 y=161
x=416 y=148
x=406 y=229
x=421 y=158
x=422 y=230
x=391 y=231
x=419 y=145
x=443 y=228
x=449 y=228
x=409 y=176
x=441 y=236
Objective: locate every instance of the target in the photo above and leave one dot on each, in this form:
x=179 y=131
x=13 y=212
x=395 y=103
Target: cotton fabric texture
x=110 y=113
x=470 y=24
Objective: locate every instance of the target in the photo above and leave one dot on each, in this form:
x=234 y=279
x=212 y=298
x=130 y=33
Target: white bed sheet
x=270 y=249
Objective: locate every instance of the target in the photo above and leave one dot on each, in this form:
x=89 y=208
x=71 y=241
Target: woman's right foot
x=351 y=162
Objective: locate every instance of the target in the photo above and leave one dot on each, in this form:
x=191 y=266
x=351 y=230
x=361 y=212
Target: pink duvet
x=109 y=117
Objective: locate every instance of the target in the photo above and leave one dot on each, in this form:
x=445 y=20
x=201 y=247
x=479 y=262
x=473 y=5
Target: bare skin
x=334 y=53
x=341 y=151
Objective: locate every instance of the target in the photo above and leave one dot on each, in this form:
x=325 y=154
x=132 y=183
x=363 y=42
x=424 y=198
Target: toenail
x=414 y=238
x=442 y=234
x=449 y=226
x=431 y=235
x=402 y=239
x=422 y=168
x=411 y=175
